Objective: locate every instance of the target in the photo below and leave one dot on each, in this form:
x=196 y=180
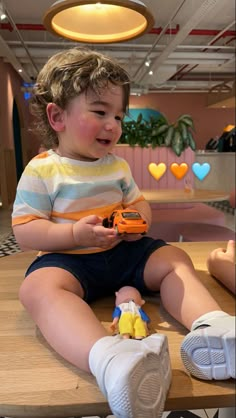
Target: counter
x=222 y=173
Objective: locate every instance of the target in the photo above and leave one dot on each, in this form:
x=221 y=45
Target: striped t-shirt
x=63 y=190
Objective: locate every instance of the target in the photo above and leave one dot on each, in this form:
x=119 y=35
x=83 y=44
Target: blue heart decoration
x=201 y=170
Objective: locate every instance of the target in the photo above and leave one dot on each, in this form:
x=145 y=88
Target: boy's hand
x=89 y=232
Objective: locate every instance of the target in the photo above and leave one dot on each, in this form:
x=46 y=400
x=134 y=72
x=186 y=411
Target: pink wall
x=139 y=160
x=208 y=122
x=10 y=88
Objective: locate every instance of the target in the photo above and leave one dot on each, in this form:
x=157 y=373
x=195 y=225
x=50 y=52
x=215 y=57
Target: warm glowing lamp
x=94 y=21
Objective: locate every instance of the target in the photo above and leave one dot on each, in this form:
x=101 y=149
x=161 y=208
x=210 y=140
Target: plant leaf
x=188 y=122
x=185 y=116
x=139 y=118
x=157 y=131
x=169 y=135
x=177 y=143
x=161 y=129
x=192 y=143
x=183 y=129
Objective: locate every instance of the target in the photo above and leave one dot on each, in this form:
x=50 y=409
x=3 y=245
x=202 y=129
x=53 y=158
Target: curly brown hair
x=68 y=74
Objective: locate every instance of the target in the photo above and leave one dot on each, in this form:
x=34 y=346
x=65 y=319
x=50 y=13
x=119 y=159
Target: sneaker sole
x=208 y=356
x=144 y=391
x=154 y=342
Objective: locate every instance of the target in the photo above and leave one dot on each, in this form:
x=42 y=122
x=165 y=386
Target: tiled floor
x=196 y=413
x=5 y=223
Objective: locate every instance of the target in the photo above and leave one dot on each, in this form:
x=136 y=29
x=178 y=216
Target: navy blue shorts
x=102 y=274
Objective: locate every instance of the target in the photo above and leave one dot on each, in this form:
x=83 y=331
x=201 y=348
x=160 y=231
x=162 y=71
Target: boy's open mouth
x=104 y=141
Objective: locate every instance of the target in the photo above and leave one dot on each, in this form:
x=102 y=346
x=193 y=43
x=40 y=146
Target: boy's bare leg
x=132 y=375
x=170 y=270
x=208 y=351
x=53 y=297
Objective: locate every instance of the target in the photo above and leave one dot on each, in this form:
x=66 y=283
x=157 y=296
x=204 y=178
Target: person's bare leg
x=208 y=350
x=53 y=297
x=133 y=376
x=171 y=271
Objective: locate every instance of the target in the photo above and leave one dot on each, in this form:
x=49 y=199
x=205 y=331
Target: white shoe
x=209 y=353
x=133 y=375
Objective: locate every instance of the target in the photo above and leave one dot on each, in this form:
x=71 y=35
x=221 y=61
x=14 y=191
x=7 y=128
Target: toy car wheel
x=105 y=222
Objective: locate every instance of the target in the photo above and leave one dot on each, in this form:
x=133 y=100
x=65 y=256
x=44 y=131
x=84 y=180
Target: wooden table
x=37 y=382
x=182 y=196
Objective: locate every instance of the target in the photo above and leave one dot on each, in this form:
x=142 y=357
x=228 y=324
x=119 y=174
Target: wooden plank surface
x=36 y=382
x=182 y=196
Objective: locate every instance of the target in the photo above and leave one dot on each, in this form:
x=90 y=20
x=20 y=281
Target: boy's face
x=91 y=125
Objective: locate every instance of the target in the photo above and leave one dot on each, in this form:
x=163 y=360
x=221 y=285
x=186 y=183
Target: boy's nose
x=111 y=125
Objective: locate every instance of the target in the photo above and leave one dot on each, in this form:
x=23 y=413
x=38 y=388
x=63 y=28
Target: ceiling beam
x=10 y=57
x=192 y=22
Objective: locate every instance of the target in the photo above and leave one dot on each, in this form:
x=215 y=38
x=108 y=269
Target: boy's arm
x=44 y=235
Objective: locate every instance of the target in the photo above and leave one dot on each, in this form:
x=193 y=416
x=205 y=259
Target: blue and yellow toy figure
x=128 y=316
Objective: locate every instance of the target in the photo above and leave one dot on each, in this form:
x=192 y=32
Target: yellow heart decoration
x=179 y=171
x=157 y=170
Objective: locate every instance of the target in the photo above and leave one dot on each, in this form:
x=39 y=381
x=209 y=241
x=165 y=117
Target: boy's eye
x=103 y=113
x=100 y=112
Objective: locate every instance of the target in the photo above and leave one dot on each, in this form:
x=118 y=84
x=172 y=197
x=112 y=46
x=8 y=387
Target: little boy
x=79 y=101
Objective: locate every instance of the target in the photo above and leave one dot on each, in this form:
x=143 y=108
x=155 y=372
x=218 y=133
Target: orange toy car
x=126 y=221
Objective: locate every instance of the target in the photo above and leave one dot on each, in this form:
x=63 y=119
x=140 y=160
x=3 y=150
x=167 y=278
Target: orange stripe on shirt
x=24 y=219
x=103 y=212
x=75 y=216
x=41 y=155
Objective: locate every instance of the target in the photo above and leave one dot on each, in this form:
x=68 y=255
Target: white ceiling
x=199 y=54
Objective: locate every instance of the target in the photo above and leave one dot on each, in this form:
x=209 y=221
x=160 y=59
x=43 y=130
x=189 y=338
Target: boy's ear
x=142 y=302
x=55 y=117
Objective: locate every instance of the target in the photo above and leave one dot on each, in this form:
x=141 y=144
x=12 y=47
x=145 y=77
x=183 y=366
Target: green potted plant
x=158 y=132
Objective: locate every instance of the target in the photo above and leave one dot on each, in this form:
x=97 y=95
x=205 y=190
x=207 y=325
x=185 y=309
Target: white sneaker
x=133 y=375
x=209 y=353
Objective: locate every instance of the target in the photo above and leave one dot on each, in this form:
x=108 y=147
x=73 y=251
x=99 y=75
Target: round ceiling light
x=94 y=21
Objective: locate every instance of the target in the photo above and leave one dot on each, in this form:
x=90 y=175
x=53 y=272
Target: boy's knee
x=32 y=291
x=175 y=256
x=26 y=292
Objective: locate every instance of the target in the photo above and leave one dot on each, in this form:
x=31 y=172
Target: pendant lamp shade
x=93 y=21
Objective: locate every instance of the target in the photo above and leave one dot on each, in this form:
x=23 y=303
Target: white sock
x=98 y=348
x=202 y=320
x=107 y=348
